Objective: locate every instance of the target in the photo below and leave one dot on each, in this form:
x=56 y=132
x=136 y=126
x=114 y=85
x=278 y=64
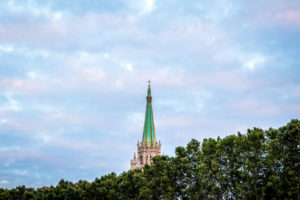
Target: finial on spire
x=149 y=91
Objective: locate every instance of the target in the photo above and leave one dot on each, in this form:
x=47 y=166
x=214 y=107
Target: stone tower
x=148 y=148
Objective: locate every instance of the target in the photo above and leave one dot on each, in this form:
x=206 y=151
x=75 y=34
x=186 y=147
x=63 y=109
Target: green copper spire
x=149 y=129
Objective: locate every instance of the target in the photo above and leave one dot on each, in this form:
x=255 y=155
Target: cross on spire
x=149 y=91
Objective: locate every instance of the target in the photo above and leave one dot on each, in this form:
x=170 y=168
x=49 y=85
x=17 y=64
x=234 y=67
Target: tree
x=130 y=184
x=159 y=180
x=106 y=187
x=257 y=165
x=284 y=165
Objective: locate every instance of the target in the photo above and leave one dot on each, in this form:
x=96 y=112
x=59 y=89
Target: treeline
x=261 y=164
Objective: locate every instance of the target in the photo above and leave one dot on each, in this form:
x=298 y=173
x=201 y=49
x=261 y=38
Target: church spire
x=148 y=148
x=149 y=129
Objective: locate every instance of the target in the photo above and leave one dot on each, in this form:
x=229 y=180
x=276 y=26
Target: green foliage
x=258 y=165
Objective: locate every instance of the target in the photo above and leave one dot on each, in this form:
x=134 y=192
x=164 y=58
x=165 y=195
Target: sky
x=73 y=79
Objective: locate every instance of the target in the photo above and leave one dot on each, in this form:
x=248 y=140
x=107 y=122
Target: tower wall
x=145 y=155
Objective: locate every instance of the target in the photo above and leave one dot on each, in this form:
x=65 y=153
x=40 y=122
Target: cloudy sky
x=73 y=79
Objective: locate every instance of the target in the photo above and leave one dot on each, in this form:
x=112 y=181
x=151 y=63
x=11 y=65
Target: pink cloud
x=255 y=107
x=176 y=122
x=21 y=85
x=280 y=13
x=35 y=154
x=289 y=17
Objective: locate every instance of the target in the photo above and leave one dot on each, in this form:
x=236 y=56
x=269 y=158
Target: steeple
x=148 y=148
x=149 y=129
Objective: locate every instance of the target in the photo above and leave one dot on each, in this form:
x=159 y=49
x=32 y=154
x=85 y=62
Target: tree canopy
x=261 y=164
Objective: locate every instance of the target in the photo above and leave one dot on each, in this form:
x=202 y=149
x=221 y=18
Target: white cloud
x=57 y=16
x=255 y=62
x=148 y=6
x=10 y=148
x=32 y=75
x=127 y=66
x=6 y=48
x=3 y=121
x=46 y=138
x=9 y=162
x=59 y=140
x=4 y=182
x=11 y=104
x=19 y=172
x=199 y=106
x=106 y=55
x=35 y=9
x=14 y=7
x=136 y=120
x=178 y=121
x=284 y=97
x=24 y=51
x=174 y=105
